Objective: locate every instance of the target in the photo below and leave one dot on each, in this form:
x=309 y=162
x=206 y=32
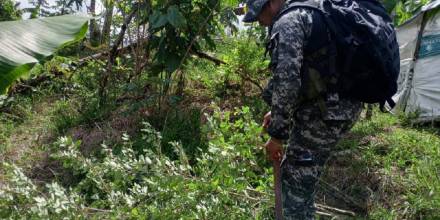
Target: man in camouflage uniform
x=311 y=129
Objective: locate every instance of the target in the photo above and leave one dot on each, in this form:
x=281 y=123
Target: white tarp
x=419 y=81
x=407 y=38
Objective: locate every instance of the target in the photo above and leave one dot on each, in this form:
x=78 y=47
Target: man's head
x=262 y=11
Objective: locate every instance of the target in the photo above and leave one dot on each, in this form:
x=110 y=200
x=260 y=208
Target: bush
x=245 y=69
x=229 y=180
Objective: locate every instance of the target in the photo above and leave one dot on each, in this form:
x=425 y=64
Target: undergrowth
x=154 y=154
x=227 y=182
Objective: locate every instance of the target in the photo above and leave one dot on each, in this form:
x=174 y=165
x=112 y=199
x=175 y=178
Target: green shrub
x=184 y=126
x=245 y=64
x=65 y=115
x=227 y=181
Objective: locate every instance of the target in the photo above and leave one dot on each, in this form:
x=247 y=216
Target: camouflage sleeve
x=288 y=37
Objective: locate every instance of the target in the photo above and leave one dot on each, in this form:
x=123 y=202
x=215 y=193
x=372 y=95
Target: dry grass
x=25 y=138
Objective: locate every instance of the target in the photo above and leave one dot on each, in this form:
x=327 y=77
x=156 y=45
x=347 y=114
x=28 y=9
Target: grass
x=403 y=160
x=22 y=121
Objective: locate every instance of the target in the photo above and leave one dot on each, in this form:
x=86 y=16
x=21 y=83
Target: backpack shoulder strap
x=293 y=4
x=317 y=5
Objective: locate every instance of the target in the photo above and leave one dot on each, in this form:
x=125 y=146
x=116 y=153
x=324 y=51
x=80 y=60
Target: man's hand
x=274 y=148
x=266 y=120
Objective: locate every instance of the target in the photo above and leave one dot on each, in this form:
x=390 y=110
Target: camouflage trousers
x=311 y=141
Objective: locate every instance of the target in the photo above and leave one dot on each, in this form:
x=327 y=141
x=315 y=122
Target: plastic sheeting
x=419 y=80
x=407 y=38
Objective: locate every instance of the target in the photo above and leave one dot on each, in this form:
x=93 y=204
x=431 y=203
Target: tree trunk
x=105 y=37
x=369 y=113
x=93 y=28
x=112 y=57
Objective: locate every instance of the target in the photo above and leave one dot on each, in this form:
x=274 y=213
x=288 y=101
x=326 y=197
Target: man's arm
x=289 y=35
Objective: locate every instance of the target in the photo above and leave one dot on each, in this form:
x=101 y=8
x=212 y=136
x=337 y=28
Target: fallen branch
x=97 y=210
x=97 y=56
x=244 y=196
x=127 y=48
x=133 y=98
x=246 y=76
x=333 y=209
x=324 y=214
x=352 y=203
x=11 y=115
x=31 y=84
x=206 y=56
x=256 y=83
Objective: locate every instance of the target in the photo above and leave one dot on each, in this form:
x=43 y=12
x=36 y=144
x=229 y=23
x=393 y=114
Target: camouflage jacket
x=289 y=35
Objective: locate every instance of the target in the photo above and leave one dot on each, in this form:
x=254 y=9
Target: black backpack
x=367 y=57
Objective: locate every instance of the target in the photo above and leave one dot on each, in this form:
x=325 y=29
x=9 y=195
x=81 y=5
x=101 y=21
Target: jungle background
x=157 y=114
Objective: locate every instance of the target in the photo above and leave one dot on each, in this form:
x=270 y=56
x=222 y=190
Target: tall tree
x=41 y=8
x=93 y=28
x=108 y=19
x=67 y=6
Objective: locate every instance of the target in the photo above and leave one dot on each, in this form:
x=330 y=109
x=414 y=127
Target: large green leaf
x=157 y=19
x=25 y=43
x=175 y=17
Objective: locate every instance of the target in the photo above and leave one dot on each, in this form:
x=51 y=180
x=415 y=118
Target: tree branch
x=113 y=53
x=206 y=56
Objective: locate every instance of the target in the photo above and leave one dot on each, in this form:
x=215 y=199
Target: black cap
x=254 y=8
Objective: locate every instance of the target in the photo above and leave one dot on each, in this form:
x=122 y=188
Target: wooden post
x=277 y=181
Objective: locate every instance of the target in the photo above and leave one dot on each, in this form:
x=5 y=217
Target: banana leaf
x=27 y=42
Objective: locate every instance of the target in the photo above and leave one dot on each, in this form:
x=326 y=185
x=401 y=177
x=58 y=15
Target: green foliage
x=405 y=9
x=9 y=11
x=178 y=26
x=41 y=8
x=246 y=60
x=21 y=190
x=14 y=111
x=206 y=74
x=245 y=69
x=408 y=119
x=227 y=181
x=183 y=126
x=66 y=6
x=45 y=8
x=65 y=116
